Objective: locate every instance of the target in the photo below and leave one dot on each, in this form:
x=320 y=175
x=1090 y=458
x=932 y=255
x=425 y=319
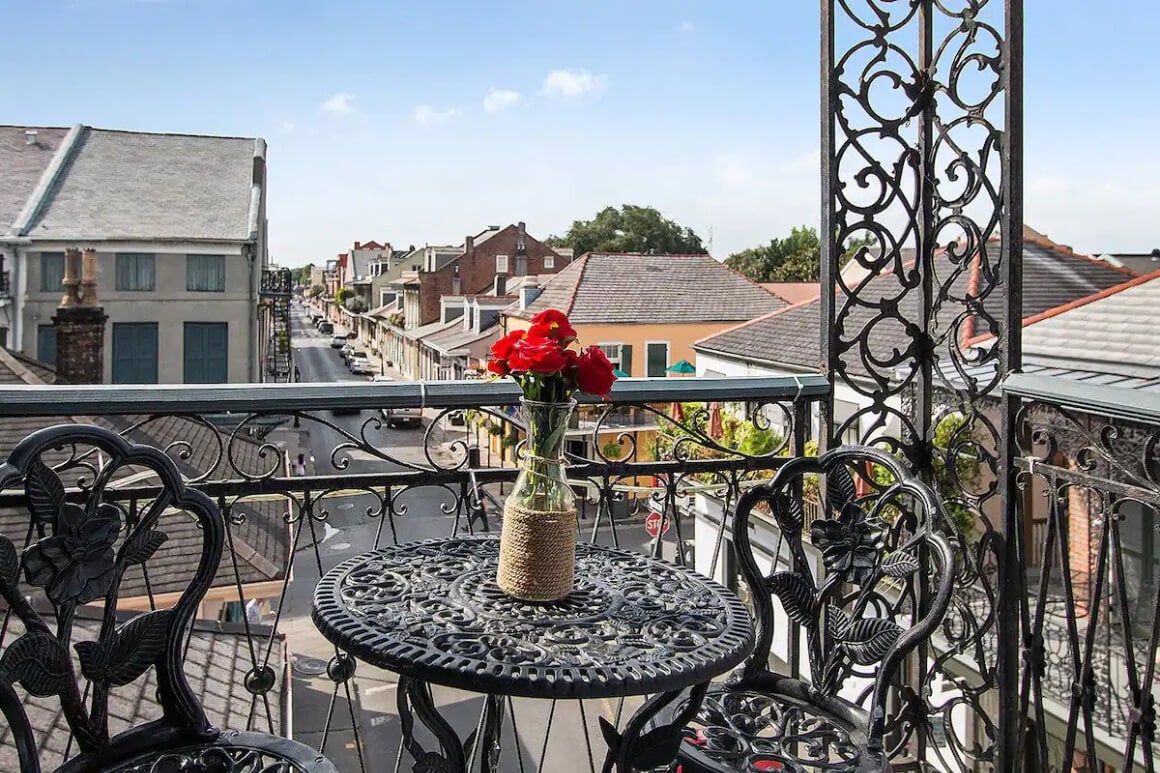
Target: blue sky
x=380 y=124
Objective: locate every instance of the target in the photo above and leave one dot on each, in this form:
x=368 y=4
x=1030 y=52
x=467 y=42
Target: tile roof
x=790 y=338
x=21 y=166
x=216 y=665
x=261 y=538
x=453 y=339
x=1111 y=332
x=794 y=292
x=422 y=331
x=141 y=186
x=612 y=288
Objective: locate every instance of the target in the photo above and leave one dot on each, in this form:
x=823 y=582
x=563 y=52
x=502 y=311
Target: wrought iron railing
x=367 y=485
x=1090 y=497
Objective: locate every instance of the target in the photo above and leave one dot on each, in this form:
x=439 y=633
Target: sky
x=420 y=122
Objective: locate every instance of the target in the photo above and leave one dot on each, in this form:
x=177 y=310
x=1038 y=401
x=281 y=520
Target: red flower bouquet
x=547 y=362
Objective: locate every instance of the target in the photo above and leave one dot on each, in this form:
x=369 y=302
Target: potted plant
x=538 y=542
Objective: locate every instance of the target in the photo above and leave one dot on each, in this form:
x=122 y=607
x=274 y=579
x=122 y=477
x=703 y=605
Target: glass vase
x=537 y=555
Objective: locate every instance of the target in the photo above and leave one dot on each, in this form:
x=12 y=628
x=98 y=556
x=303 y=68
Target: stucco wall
x=169 y=304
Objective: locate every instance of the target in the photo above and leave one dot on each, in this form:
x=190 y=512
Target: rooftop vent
x=30 y=136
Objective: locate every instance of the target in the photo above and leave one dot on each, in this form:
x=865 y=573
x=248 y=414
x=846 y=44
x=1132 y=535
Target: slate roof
x=261 y=540
x=1111 y=332
x=142 y=186
x=216 y=665
x=21 y=166
x=452 y=340
x=790 y=338
x=625 y=288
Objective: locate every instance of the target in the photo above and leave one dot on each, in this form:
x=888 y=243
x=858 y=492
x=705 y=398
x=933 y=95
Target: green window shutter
x=205 y=273
x=206 y=353
x=135 y=353
x=656 y=360
x=626 y=358
x=135 y=271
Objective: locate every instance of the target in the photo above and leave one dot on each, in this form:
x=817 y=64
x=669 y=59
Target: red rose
x=499 y=367
x=552 y=324
x=538 y=355
x=595 y=374
x=502 y=349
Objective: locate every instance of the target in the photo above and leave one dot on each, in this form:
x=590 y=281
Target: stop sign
x=652 y=524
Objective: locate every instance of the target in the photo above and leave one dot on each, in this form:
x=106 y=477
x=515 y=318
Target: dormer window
x=501 y=264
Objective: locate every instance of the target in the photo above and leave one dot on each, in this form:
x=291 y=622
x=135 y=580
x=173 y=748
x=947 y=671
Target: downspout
x=17 y=288
x=248 y=251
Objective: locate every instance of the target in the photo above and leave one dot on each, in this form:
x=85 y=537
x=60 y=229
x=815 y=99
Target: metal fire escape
x=275 y=295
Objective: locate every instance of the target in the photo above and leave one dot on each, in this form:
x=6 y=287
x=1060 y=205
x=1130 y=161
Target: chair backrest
x=80 y=544
x=886 y=576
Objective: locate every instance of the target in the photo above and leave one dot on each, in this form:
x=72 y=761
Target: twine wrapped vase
x=537 y=553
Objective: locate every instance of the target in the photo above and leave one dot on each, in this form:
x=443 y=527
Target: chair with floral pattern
x=871 y=584
x=80 y=545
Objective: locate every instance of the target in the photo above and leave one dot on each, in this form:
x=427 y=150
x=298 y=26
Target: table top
x=432 y=611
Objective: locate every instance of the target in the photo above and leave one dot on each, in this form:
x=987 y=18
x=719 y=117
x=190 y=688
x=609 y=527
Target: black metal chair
x=78 y=550
x=887 y=581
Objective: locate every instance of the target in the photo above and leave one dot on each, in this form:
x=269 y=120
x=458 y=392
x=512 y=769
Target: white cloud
x=426 y=115
x=288 y=127
x=688 y=26
x=340 y=103
x=573 y=83
x=500 y=99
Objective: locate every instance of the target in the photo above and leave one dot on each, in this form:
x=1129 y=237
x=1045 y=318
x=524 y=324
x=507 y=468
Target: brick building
x=488 y=263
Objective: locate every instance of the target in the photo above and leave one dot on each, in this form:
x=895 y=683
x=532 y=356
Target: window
x=51 y=272
x=3 y=336
x=135 y=272
x=620 y=355
x=205 y=273
x=549 y=262
x=521 y=265
x=456 y=287
x=657 y=358
x=206 y=353
x=501 y=266
x=134 y=352
x=46 y=344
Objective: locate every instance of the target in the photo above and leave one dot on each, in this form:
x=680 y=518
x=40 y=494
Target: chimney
x=30 y=137
x=521 y=232
x=357 y=245
x=468 y=244
x=80 y=323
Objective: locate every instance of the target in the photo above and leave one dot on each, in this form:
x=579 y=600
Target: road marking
x=378 y=688
x=338 y=547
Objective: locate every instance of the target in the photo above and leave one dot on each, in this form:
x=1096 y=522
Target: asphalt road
x=565 y=733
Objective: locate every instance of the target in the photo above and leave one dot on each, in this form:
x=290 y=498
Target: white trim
x=230 y=249
x=505 y=264
x=619 y=354
x=549 y=262
x=668 y=353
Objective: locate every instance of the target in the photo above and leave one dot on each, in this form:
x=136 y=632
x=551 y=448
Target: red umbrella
x=677 y=413
x=715 y=427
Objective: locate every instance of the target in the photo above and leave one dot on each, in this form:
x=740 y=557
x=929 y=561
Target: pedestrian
x=300 y=466
x=297 y=374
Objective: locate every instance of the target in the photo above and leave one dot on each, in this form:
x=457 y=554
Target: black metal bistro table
x=432 y=613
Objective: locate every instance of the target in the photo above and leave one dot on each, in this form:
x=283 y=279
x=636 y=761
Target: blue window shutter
x=206 y=353
x=51 y=272
x=46 y=344
x=135 y=353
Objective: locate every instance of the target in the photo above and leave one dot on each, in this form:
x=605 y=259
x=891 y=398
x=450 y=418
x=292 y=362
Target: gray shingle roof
x=133 y=185
x=608 y=288
x=216 y=665
x=1115 y=333
x=21 y=166
x=1052 y=276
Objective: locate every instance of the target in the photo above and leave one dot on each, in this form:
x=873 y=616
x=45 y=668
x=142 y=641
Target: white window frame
x=614 y=360
x=549 y=262
x=668 y=354
x=501 y=264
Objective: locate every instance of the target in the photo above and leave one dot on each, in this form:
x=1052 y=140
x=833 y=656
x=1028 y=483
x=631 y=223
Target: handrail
x=114 y=399
x=1136 y=405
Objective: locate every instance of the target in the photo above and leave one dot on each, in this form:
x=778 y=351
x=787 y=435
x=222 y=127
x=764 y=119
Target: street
x=349 y=529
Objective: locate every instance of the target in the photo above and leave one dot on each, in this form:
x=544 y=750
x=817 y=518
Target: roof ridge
x=12 y=360
x=755 y=320
x=171 y=134
x=583 y=261
x=1107 y=292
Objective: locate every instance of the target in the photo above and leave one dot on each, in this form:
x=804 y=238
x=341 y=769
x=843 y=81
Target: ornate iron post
x=921 y=136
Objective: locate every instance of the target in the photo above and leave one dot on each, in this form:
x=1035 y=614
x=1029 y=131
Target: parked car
x=326 y=328
x=352 y=353
x=346 y=351
x=338 y=342
x=360 y=365
x=409 y=417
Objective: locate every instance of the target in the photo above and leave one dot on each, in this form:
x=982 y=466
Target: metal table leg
x=634 y=749
x=415 y=701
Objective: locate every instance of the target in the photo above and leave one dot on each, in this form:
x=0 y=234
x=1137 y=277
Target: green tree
x=304 y=274
x=629 y=229
x=796 y=258
x=342 y=294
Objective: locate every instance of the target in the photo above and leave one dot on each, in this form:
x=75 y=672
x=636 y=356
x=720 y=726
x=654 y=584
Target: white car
x=360 y=365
